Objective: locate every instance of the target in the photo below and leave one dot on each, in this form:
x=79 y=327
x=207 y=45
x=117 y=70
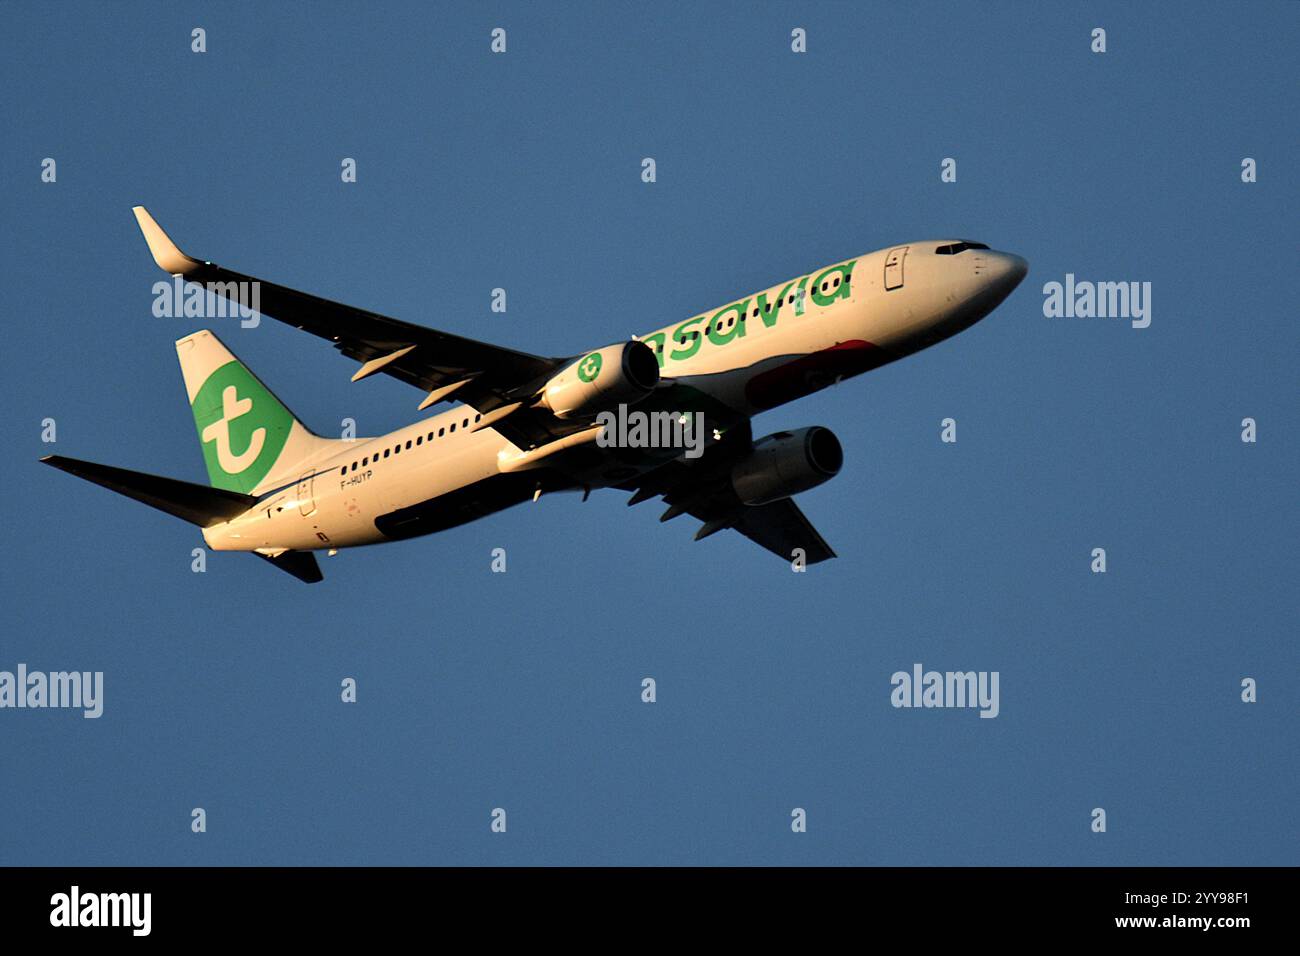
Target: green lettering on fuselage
x=734 y=330
x=722 y=329
x=800 y=296
x=836 y=282
x=768 y=313
x=656 y=342
x=691 y=340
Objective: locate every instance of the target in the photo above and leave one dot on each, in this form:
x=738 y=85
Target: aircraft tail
x=251 y=442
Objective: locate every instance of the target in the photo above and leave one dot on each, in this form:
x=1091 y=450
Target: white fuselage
x=830 y=324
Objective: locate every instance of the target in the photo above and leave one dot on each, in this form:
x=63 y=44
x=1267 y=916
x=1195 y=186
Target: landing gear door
x=894 y=268
x=306 y=494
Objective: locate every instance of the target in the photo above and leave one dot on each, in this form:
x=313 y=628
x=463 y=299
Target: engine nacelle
x=787 y=463
x=623 y=373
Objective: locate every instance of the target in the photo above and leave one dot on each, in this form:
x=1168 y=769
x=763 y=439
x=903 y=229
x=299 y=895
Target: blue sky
x=522 y=690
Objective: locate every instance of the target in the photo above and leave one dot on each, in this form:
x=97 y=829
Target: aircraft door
x=894 y=268
x=306 y=494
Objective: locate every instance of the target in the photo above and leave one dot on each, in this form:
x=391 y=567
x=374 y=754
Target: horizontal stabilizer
x=197 y=504
x=301 y=564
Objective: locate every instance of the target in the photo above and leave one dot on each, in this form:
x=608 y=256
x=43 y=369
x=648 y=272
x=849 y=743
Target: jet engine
x=787 y=463
x=623 y=373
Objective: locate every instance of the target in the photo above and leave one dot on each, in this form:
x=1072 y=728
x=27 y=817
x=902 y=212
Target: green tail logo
x=242 y=426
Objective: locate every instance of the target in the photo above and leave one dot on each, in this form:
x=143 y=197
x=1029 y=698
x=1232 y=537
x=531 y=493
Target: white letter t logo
x=232 y=406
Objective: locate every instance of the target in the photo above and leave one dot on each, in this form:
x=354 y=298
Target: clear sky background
x=522 y=690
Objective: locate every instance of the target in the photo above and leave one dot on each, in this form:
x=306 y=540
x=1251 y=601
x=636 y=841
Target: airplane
x=522 y=425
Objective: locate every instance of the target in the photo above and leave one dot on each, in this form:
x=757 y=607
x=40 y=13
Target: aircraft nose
x=1006 y=270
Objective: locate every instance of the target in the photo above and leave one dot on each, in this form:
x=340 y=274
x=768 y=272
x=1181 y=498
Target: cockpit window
x=958 y=247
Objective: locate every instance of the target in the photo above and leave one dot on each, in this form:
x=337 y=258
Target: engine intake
x=623 y=373
x=786 y=463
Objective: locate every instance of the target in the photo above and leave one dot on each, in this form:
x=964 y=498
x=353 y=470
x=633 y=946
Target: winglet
x=165 y=253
